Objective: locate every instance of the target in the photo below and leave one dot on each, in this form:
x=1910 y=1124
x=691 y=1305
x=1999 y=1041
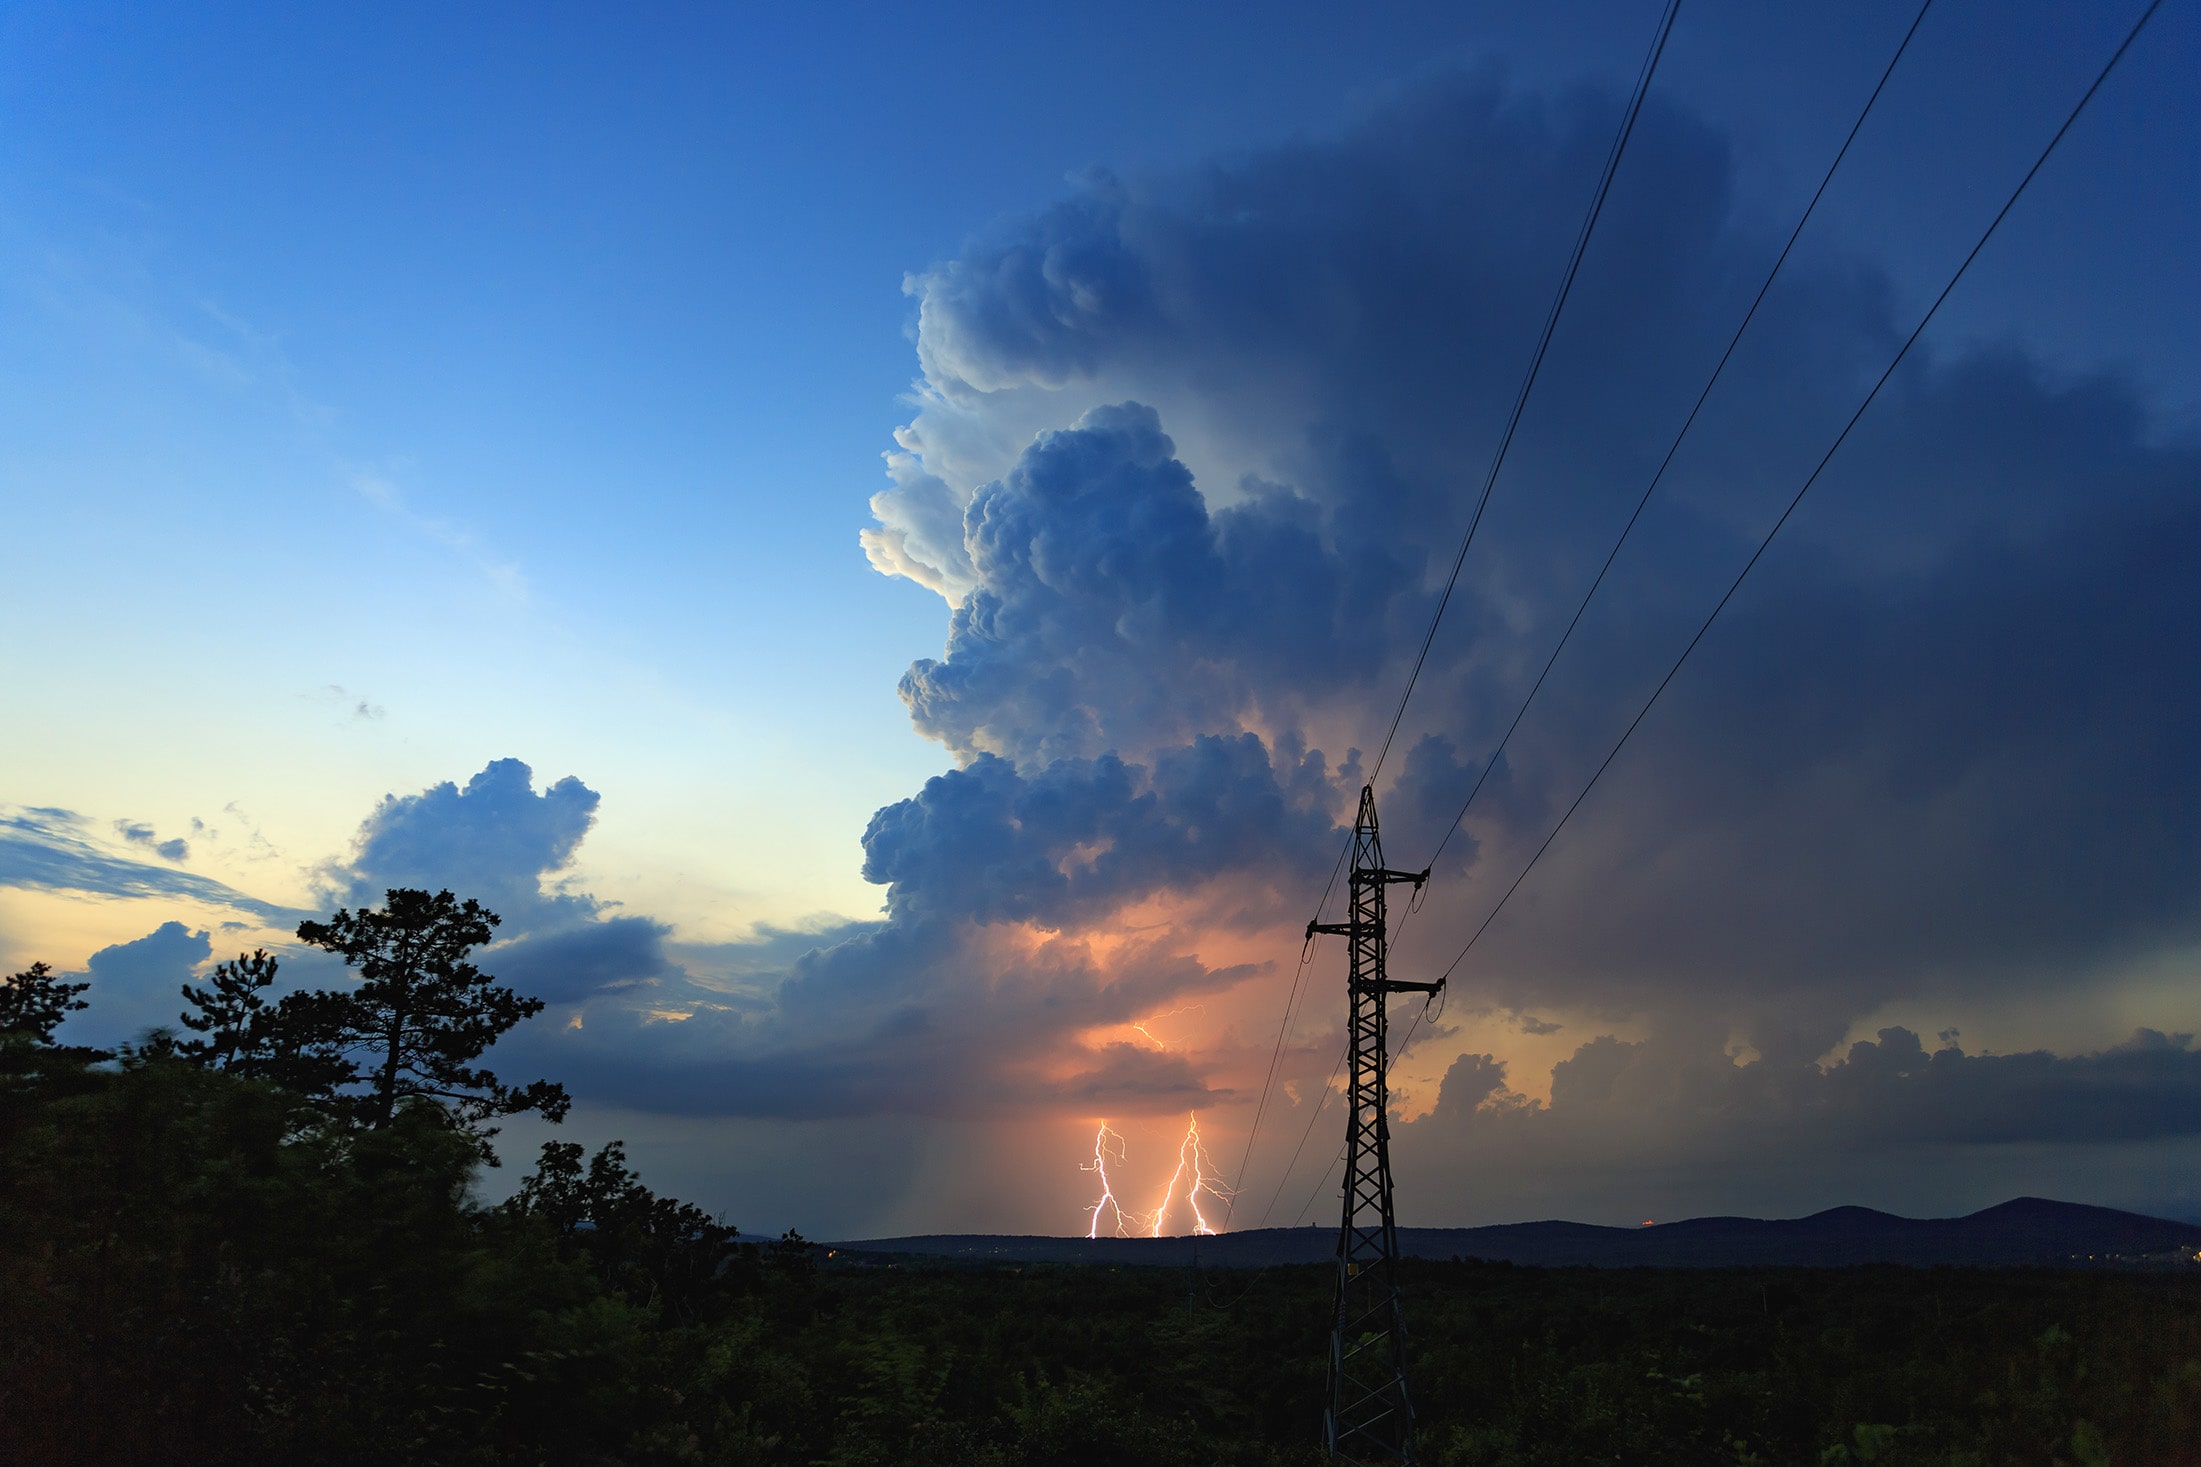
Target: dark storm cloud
x=1938 y=740
x=1837 y=715
x=1885 y=1092
x=1320 y=326
x=1113 y=611
x=1076 y=837
x=1973 y=779
x=571 y=962
x=49 y=849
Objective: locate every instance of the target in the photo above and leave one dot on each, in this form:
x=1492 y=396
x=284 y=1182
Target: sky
x=885 y=546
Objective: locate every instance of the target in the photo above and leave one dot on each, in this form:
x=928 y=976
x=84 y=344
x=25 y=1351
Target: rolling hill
x=2026 y=1231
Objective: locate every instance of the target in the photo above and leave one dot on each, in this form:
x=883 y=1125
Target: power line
x=1719 y=369
x=1520 y=401
x=1863 y=407
x=1536 y=364
x=1321 y=1102
x=1285 y=1176
x=1689 y=422
x=1324 y=1100
x=1276 y=1054
x=1835 y=447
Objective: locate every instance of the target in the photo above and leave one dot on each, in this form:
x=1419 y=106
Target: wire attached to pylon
x=1825 y=459
x=1535 y=366
x=1816 y=473
x=1483 y=775
x=1490 y=479
x=1283 y=1030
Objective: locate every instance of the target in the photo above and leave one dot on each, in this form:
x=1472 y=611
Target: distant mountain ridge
x=2025 y=1231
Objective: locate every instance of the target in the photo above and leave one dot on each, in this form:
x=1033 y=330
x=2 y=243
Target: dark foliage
x=661 y=1254
x=1873 y=1364
x=230 y=1011
x=292 y=1043
x=193 y=1270
x=422 y=1013
x=202 y=1265
x=34 y=1002
x=32 y=1005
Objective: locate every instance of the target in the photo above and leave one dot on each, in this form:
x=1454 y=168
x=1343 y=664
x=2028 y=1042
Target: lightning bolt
x=1197 y=1008
x=1106 y=1143
x=1206 y=1177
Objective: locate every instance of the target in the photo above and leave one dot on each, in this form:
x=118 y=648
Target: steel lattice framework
x=1369 y=1418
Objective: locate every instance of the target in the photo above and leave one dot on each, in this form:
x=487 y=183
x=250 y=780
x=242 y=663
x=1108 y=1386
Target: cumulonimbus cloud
x=1192 y=451
x=1191 y=455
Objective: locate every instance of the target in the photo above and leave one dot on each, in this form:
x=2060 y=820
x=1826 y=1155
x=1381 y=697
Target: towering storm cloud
x=1190 y=459
x=1193 y=451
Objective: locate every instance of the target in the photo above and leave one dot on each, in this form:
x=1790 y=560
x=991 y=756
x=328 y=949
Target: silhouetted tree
x=32 y=1005
x=229 y=1008
x=422 y=1013
x=292 y=1043
x=662 y=1253
x=34 y=1002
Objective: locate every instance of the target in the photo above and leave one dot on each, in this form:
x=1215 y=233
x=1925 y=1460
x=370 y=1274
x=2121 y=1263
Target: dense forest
x=257 y=1240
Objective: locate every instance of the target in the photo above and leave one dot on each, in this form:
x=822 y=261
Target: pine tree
x=292 y=1043
x=661 y=1252
x=422 y=1013
x=229 y=1009
x=32 y=1005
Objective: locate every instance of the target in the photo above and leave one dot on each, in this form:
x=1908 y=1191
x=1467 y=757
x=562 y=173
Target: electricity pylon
x=1369 y=1418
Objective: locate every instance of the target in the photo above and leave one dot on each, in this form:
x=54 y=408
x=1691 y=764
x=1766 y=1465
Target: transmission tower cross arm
x=1367 y=876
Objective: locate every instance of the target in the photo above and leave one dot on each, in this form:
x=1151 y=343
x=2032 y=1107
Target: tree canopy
x=291 y=1043
x=211 y=1256
x=423 y=1013
x=32 y=1005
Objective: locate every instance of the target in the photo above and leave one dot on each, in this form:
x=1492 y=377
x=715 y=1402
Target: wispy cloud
x=354 y=707
x=57 y=850
x=504 y=575
x=138 y=833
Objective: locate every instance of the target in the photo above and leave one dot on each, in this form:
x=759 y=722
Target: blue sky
x=383 y=397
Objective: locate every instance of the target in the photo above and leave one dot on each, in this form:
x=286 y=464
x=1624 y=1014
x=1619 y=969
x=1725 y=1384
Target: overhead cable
x=1520 y=401
x=1483 y=775
x=1536 y=364
x=1825 y=459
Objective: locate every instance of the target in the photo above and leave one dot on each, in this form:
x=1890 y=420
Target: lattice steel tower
x=1369 y=1418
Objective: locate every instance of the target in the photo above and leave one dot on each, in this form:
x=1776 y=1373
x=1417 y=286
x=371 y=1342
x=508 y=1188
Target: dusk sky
x=884 y=544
